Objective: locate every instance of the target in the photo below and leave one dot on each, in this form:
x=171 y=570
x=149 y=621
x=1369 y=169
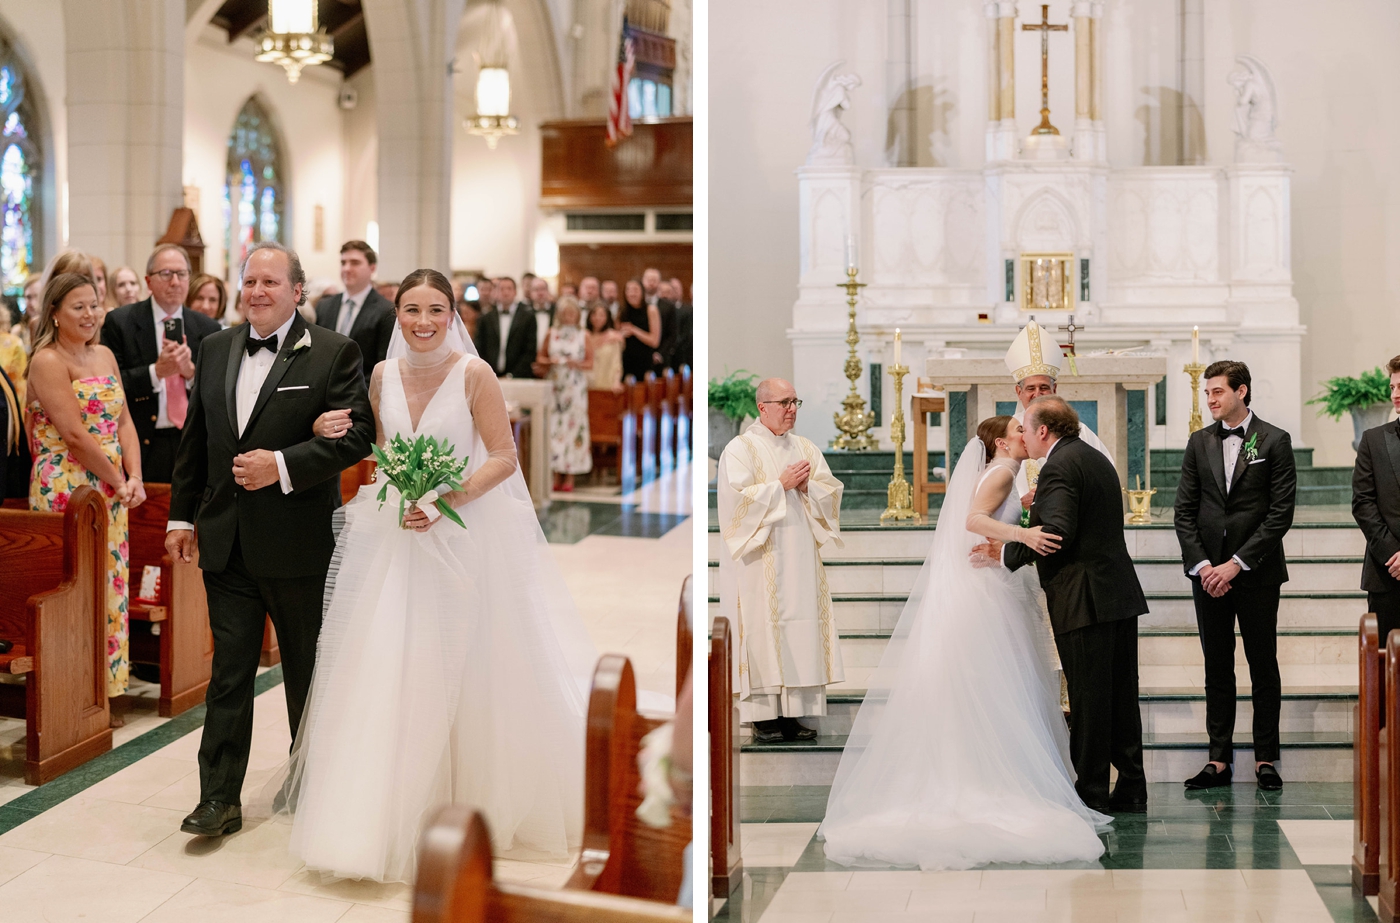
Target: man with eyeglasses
x=778 y=503
x=157 y=370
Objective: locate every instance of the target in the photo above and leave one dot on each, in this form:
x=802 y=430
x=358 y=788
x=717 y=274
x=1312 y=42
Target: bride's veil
x=946 y=563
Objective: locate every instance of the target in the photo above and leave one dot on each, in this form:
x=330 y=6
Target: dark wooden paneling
x=621 y=262
x=651 y=168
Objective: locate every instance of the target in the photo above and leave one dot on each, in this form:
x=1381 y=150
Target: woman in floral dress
x=569 y=356
x=82 y=434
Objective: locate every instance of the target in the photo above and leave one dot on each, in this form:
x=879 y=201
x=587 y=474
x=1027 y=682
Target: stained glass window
x=254 y=197
x=20 y=159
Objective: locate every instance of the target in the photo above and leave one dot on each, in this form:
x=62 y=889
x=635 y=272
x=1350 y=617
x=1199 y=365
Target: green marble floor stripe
x=32 y=804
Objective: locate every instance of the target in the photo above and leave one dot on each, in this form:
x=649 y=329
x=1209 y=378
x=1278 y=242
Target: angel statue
x=1256 y=111
x=831 y=141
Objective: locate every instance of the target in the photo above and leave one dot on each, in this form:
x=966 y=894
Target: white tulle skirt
x=960 y=755
x=441 y=676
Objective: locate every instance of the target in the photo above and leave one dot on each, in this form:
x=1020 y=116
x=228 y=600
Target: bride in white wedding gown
x=959 y=755
x=452 y=665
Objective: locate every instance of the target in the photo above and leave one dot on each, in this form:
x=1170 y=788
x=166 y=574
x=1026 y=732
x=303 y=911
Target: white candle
x=896 y=346
x=850 y=251
x=1195 y=345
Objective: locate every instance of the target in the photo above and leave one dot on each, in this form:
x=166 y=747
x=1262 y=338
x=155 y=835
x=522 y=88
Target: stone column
x=1096 y=82
x=412 y=44
x=899 y=82
x=126 y=97
x=1001 y=87
x=1088 y=81
x=1191 y=132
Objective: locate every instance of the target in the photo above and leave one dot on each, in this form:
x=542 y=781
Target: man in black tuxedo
x=1094 y=598
x=157 y=372
x=1234 y=504
x=1375 y=505
x=684 y=353
x=666 y=309
x=261 y=489
x=513 y=354
x=360 y=312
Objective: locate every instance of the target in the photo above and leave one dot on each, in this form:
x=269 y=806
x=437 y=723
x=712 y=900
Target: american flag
x=619 y=118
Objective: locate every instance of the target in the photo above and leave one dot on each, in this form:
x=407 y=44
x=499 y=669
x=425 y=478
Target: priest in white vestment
x=778 y=504
x=1035 y=360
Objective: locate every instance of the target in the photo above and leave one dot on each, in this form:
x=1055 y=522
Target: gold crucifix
x=1044 y=28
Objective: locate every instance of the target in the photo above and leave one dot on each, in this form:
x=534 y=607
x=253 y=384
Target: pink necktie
x=177 y=402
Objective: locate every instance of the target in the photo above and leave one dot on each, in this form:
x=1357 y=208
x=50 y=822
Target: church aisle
x=103 y=841
x=1236 y=855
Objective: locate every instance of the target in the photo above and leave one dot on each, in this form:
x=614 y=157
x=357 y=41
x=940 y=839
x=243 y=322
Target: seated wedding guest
x=610 y=298
x=209 y=297
x=363 y=313
x=568 y=357
x=105 y=295
x=155 y=341
x=505 y=335
x=640 y=324
x=126 y=286
x=606 y=343
x=83 y=435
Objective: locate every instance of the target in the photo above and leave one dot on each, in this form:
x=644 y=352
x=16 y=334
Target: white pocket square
x=1259 y=461
x=294 y=388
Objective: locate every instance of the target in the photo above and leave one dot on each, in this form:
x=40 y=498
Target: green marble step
x=1244 y=740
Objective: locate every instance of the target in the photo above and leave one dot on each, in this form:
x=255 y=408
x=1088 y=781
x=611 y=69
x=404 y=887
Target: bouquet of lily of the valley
x=423 y=471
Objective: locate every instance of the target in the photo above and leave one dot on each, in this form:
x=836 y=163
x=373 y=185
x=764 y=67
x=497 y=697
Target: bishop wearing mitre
x=1035 y=360
x=778 y=504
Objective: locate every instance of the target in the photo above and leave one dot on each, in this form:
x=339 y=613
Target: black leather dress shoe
x=795 y=730
x=1128 y=799
x=768 y=732
x=1268 y=777
x=1209 y=778
x=213 y=818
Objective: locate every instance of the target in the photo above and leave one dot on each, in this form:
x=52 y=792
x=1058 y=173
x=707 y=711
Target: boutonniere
x=1251 y=448
x=304 y=342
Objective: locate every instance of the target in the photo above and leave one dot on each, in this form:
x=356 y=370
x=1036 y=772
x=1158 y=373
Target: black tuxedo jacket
x=1091 y=579
x=666 y=308
x=520 y=347
x=281 y=535
x=1375 y=504
x=373 y=326
x=684 y=353
x=1250 y=519
x=130 y=333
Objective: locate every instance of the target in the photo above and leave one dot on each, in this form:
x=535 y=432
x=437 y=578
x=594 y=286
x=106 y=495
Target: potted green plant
x=732 y=399
x=1367 y=398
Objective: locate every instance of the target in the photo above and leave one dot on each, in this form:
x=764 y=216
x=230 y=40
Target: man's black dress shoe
x=1209 y=778
x=768 y=732
x=213 y=818
x=794 y=730
x=1269 y=779
x=1128 y=799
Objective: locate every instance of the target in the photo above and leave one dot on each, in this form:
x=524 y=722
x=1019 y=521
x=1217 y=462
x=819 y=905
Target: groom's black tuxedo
x=1093 y=595
x=264 y=552
x=1375 y=505
x=1246 y=519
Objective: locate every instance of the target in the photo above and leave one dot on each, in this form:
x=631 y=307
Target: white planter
x=1364 y=418
x=722 y=432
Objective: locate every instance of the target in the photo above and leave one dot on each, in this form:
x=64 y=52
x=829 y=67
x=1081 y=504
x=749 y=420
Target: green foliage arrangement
x=735 y=395
x=1342 y=394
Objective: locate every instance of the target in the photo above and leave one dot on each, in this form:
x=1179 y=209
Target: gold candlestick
x=854 y=421
x=901 y=503
x=1194 y=369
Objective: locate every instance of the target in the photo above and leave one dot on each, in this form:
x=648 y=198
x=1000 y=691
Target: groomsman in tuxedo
x=505 y=335
x=1375 y=504
x=158 y=371
x=1234 y=505
x=360 y=313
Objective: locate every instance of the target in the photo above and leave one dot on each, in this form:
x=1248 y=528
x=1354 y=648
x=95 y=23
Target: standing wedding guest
x=640 y=323
x=778 y=504
x=588 y=291
x=106 y=296
x=209 y=297
x=543 y=308
x=568 y=288
x=606 y=344
x=33 y=298
x=1234 y=505
x=684 y=353
x=387 y=289
x=82 y=434
x=666 y=311
x=14 y=358
x=1375 y=505
x=505 y=335
x=362 y=313
x=569 y=357
x=126 y=286
x=155 y=341
x=15 y=463
x=611 y=299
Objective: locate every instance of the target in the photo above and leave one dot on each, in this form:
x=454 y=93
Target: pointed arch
x=1047 y=221
x=255 y=184
x=24 y=181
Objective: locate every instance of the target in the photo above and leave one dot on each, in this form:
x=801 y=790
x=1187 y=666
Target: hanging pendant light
x=493 y=120
x=293 y=38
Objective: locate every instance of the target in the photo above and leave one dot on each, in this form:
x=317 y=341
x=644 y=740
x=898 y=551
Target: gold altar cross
x=1044 y=28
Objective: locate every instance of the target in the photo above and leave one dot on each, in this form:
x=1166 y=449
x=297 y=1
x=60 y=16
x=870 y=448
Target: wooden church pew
x=646 y=427
x=658 y=397
x=1366 y=795
x=173 y=631
x=1389 y=785
x=622 y=855
x=612 y=428
x=355 y=477
x=685 y=418
x=455 y=884
x=685 y=636
x=727 y=868
x=54 y=610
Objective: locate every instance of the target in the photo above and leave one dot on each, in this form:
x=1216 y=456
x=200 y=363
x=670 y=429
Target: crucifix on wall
x=1044 y=28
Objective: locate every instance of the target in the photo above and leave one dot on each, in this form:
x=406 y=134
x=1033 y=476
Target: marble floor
x=103 y=843
x=1226 y=855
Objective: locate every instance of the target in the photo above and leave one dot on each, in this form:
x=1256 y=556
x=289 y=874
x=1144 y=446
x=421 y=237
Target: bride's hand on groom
x=332 y=424
x=1040 y=541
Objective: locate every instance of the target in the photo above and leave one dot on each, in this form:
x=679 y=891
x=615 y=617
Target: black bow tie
x=254 y=344
x=1225 y=432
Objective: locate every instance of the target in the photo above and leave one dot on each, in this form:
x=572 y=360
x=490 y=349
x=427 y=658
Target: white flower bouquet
x=423 y=471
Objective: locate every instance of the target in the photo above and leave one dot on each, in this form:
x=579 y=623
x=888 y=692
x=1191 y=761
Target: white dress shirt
x=1230 y=447
x=158 y=383
x=506 y=313
x=350 y=305
x=541 y=328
